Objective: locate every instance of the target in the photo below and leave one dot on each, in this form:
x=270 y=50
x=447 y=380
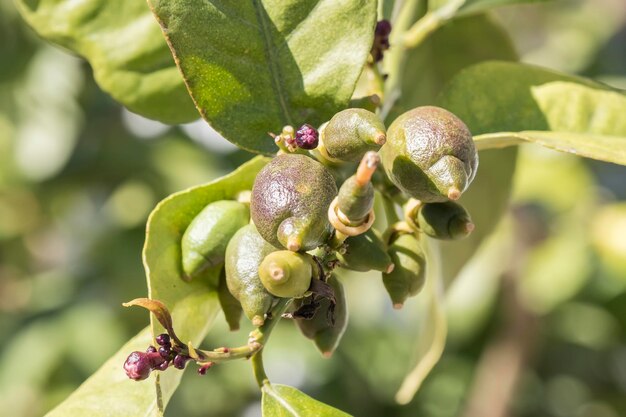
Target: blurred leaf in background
x=79 y=175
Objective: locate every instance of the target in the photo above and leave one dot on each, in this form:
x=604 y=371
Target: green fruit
x=244 y=254
x=409 y=274
x=355 y=200
x=351 y=133
x=445 y=221
x=365 y=252
x=205 y=240
x=230 y=306
x=430 y=154
x=325 y=334
x=286 y=274
x=290 y=200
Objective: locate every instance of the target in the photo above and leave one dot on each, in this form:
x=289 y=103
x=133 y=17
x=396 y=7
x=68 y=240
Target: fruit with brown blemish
x=290 y=200
x=430 y=154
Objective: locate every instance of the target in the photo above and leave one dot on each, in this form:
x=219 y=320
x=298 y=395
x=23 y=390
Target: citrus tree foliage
x=324 y=90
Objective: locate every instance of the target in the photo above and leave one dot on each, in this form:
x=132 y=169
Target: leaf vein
x=274 y=67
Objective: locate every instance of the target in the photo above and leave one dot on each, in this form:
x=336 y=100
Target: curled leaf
x=160 y=311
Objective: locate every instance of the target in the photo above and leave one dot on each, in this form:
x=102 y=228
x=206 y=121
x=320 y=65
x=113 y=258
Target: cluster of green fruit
x=306 y=216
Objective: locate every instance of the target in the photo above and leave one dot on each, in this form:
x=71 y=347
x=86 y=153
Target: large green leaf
x=285 y=401
x=254 y=66
x=110 y=393
x=513 y=103
x=194 y=305
x=123 y=44
x=455 y=46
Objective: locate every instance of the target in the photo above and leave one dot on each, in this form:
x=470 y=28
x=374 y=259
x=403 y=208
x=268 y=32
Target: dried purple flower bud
x=163 y=366
x=381 y=40
x=138 y=365
x=163 y=339
x=383 y=28
x=165 y=352
x=307 y=137
x=180 y=360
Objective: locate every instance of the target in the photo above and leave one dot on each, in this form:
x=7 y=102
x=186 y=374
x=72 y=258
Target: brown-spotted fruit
x=290 y=200
x=430 y=154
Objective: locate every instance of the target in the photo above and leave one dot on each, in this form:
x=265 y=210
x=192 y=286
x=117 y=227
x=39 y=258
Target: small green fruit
x=290 y=200
x=409 y=274
x=445 y=221
x=205 y=240
x=286 y=274
x=351 y=133
x=430 y=154
x=365 y=252
x=325 y=334
x=244 y=254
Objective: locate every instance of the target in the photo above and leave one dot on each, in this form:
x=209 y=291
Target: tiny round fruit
x=163 y=339
x=430 y=154
x=446 y=221
x=286 y=274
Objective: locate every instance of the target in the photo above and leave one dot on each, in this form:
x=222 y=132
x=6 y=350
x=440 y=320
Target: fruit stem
x=390 y=211
x=260 y=337
x=429 y=23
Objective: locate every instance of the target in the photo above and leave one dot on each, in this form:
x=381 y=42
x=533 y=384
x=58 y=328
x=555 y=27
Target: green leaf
x=603 y=148
x=507 y=104
x=110 y=393
x=193 y=306
x=465 y=7
x=254 y=66
x=453 y=47
x=474 y=6
x=123 y=44
x=283 y=401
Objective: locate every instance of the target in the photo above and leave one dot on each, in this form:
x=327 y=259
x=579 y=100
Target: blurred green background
x=79 y=175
